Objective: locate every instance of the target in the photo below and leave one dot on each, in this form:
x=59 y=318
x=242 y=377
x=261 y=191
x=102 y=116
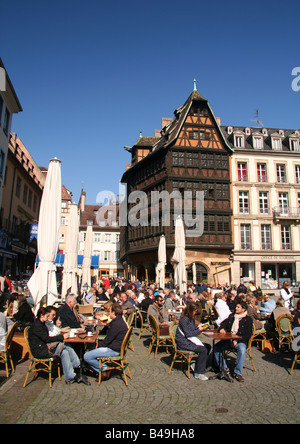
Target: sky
x=90 y=75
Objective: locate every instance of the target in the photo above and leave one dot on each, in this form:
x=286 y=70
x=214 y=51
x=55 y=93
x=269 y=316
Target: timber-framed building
x=190 y=153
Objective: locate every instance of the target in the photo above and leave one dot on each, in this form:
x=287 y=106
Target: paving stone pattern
x=268 y=396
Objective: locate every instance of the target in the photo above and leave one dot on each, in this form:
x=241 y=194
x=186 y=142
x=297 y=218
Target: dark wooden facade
x=191 y=154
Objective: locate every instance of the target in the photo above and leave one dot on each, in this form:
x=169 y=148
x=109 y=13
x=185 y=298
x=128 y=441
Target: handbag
x=52 y=347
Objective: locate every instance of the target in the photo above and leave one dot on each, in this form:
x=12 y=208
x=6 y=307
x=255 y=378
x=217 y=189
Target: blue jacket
x=189 y=330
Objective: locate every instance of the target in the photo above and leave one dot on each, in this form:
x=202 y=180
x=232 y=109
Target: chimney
x=82 y=201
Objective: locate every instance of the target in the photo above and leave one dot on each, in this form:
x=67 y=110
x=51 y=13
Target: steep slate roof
x=171 y=131
x=267 y=139
x=90 y=213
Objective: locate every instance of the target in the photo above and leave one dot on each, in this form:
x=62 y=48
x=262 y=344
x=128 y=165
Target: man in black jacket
x=242 y=325
x=66 y=313
x=111 y=344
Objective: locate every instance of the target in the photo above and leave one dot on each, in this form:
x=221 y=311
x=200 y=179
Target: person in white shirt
x=53 y=324
x=222 y=308
x=287 y=294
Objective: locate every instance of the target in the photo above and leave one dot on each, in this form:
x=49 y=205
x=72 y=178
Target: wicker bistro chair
x=296 y=360
x=129 y=323
x=158 y=340
x=284 y=330
x=40 y=365
x=260 y=336
x=145 y=326
x=248 y=352
x=5 y=355
x=117 y=362
x=181 y=356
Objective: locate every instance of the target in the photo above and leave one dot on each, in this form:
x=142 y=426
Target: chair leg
x=50 y=374
x=12 y=364
x=251 y=359
x=172 y=363
x=6 y=364
x=27 y=374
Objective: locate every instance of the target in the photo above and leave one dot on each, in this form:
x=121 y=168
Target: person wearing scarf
x=241 y=324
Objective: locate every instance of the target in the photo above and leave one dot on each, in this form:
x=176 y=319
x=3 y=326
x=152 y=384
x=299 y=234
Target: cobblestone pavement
x=268 y=396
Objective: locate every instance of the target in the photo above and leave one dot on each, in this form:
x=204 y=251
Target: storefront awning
x=59 y=260
x=94 y=261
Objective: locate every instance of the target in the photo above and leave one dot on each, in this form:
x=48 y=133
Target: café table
x=215 y=335
x=82 y=339
x=174 y=315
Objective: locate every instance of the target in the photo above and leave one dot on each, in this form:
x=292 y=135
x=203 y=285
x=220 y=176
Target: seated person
x=158 y=311
x=242 y=325
x=171 y=302
x=254 y=313
x=67 y=315
x=24 y=314
x=296 y=322
x=279 y=310
x=145 y=304
x=110 y=346
x=186 y=339
x=126 y=305
x=90 y=298
x=267 y=305
x=222 y=308
x=5 y=323
x=39 y=338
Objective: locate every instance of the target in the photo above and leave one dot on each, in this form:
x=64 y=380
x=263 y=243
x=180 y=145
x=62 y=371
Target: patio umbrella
x=178 y=258
x=43 y=281
x=194 y=273
x=70 y=263
x=87 y=258
x=162 y=261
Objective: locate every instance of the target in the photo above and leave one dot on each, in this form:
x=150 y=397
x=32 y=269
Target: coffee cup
x=90 y=333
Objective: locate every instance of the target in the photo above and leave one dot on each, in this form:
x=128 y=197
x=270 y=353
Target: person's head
x=172 y=295
x=280 y=302
x=159 y=301
x=286 y=284
x=107 y=306
x=251 y=300
x=241 y=307
x=21 y=299
x=52 y=313
x=266 y=298
x=3 y=303
x=43 y=314
x=123 y=297
x=71 y=300
x=115 y=310
x=220 y=295
x=190 y=310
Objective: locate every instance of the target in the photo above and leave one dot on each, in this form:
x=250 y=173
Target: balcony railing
x=286 y=212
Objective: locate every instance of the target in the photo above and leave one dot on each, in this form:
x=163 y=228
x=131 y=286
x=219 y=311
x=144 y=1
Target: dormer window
x=239 y=141
x=276 y=143
x=258 y=142
x=294 y=145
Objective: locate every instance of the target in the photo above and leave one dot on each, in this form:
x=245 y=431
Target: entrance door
x=201 y=273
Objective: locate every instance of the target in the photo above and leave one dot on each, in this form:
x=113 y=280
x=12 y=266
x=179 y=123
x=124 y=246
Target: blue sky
x=90 y=75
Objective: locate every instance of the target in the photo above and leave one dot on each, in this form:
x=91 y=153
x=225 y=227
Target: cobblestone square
x=268 y=396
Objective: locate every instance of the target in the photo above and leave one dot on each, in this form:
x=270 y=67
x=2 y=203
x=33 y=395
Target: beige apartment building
x=266 y=205
x=22 y=191
x=9 y=105
x=106 y=238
